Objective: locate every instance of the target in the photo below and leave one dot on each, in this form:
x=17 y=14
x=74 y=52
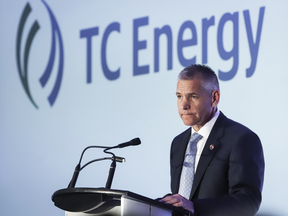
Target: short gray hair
x=203 y=72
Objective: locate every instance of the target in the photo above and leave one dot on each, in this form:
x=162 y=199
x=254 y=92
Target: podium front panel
x=129 y=207
x=133 y=207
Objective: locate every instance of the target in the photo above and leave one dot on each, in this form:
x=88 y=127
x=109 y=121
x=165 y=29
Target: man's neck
x=198 y=127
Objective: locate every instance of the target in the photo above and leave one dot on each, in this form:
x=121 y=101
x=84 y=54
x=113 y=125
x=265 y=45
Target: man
x=228 y=169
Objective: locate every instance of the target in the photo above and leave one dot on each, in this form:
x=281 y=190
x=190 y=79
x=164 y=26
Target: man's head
x=198 y=95
x=205 y=73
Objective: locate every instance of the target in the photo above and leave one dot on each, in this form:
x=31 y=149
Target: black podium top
x=83 y=199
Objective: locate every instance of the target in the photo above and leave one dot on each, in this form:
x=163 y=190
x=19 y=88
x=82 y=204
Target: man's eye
x=179 y=96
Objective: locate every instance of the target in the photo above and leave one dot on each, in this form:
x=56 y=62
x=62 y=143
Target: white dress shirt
x=204 y=131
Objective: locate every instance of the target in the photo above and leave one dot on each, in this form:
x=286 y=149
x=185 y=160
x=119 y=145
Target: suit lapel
x=211 y=146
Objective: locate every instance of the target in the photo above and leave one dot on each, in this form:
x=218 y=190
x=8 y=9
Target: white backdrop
x=39 y=148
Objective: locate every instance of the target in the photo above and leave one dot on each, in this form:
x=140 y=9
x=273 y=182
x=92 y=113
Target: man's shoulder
x=230 y=124
x=232 y=130
x=185 y=135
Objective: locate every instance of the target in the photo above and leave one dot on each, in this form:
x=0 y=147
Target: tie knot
x=193 y=143
x=195 y=137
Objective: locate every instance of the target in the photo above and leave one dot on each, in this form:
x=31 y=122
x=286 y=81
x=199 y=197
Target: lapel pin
x=211 y=147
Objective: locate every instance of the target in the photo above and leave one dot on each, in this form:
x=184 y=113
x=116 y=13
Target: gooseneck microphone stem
x=75 y=176
x=118 y=159
x=111 y=174
x=89 y=148
x=111 y=170
x=114 y=159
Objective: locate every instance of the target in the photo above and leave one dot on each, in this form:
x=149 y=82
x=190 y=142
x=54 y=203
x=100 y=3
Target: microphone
x=132 y=142
x=119 y=159
x=114 y=158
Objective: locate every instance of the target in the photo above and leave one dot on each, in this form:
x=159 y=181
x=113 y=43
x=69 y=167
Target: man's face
x=195 y=106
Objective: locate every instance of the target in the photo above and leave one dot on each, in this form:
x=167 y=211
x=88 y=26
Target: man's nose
x=185 y=105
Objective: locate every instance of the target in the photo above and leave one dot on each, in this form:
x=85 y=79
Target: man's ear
x=215 y=98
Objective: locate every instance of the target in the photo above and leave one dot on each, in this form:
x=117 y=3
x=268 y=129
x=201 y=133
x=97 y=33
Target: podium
x=108 y=202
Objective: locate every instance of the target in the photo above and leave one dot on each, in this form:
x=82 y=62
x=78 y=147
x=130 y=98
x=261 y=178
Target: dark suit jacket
x=229 y=178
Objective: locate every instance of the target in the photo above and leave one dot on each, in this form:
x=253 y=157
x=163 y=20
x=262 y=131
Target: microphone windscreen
x=135 y=141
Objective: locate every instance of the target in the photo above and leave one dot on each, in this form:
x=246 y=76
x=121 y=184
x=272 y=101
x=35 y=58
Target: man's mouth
x=187 y=114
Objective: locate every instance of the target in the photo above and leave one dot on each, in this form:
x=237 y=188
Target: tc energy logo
x=22 y=63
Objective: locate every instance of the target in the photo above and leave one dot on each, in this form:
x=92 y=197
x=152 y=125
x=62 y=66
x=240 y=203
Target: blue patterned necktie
x=188 y=169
